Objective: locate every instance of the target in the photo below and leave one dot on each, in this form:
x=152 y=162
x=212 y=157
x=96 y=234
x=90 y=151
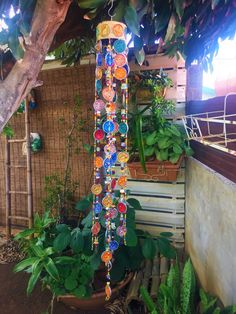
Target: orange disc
x=106 y=256
x=96 y=189
x=108 y=291
x=122 y=181
x=111 y=107
x=120 y=74
x=120 y=60
x=98 y=162
x=107 y=201
x=118 y=30
x=123 y=157
x=98 y=73
x=105 y=30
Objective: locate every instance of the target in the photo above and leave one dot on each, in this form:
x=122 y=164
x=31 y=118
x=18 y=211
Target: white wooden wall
x=164 y=203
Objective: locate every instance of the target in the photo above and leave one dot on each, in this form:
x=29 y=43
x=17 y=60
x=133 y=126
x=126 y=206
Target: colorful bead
x=107 y=201
x=96 y=189
x=99 y=135
x=97 y=208
x=122 y=208
x=123 y=157
x=108 y=126
x=119 y=46
x=114 y=245
x=123 y=128
x=106 y=256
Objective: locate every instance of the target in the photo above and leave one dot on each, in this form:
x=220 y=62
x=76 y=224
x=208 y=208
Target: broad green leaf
x=25 y=263
x=95 y=261
x=70 y=283
x=119 y=11
x=24 y=234
x=80 y=292
x=139 y=55
x=131 y=237
x=77 y=240
x=34 y=278
x=179 y=7
x=134 y=203
x=149 y=151
x=37 y=250
x=177 y=149
x=171 y=28
x=164 y=154
x=62 y=241
x=131 y=19
x=62 y=228
x=83 y=205
x=151 y=138
x=165 y=248
x=174 y=158
x=149 y=248
x=51 y=268
x=61 y=260
x=163 y=143
x=90 y=4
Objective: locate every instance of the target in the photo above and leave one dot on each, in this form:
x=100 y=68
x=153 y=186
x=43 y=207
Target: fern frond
x=188 y=288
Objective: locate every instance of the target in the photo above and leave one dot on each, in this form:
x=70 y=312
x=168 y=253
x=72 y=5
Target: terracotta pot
x=97 y=300
x=156 y=170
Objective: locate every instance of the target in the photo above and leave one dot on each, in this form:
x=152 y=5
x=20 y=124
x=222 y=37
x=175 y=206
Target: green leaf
x=77 y=240
x=80 y=292
x=149 y=248
x=14 y=44
x=131 y=19
x=62 y=228
x=151 y=138
x=25 y=263
x=51 y=268
x=148 y=300
x=134 y=203
x=37 y=250
x=139 y=55
x=83 y=205
x=61 y=260
x=70 y=283
x=177 y=149
x=34 y=278
x=188 y=288
x=90 y=4
x=164 y=154
x=119 y=11
x=139 y=138
x=165 y=248
x=179 y=7
x=174 y=158
x=24 y=234
x=95 y=261
x=149 y=151
x=131 y=237
x=62 y=241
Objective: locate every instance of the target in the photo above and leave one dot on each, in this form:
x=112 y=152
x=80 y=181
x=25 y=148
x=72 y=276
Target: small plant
x=179 y=295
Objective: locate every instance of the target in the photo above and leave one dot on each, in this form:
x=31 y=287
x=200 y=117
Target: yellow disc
x=98 y=162
x=98 y=73
x=96 y=189
x=123 y=157
x=107 y=201
x=104 y=30
x=118 y=30
x=122 y=181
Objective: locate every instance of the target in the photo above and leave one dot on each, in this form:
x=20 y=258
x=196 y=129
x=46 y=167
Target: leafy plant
x=179 y=295
x=151 y=135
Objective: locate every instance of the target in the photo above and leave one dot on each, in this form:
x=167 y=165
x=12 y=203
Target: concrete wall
x=211 y=229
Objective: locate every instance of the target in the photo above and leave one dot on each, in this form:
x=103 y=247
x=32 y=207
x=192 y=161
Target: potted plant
x=157 y=145
x=62 y=259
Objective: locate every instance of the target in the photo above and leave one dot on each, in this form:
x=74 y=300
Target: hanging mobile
x=110 y=139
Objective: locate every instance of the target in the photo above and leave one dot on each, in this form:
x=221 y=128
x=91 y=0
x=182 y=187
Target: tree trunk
x=48 y=16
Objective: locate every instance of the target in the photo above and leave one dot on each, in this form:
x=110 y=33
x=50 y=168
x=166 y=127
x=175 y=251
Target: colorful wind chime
x=110 y=139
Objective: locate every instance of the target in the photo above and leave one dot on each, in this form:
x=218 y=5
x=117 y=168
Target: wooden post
x=29 y=167
x=8 y=188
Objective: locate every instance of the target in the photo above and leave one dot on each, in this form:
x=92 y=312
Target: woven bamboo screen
x=52 y=119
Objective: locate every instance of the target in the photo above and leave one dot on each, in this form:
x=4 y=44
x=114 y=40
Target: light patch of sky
x=224 y=64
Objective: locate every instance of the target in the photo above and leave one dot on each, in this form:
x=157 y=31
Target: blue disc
x=119 y=45
x=99 y=59
x=32 y=104
x=98 y=85
x=114 y=245
x=97 y=208
x=114 y=157
x=107 y=163
x=123 y=128
x=109 y=59
x=108 y=126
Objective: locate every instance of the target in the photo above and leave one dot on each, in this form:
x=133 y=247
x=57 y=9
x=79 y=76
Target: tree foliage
x=189 y=27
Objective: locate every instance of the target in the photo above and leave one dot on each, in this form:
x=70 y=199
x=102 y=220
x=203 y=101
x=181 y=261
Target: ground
x=14 y=300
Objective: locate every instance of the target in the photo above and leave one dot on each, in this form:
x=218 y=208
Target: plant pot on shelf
x=97 y=300
x=156 y=170
x=144 y=94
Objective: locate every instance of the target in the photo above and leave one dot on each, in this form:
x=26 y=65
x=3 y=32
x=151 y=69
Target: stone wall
x=211 y=229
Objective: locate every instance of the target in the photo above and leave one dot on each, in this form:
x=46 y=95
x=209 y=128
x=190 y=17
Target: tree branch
x=48 y=16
